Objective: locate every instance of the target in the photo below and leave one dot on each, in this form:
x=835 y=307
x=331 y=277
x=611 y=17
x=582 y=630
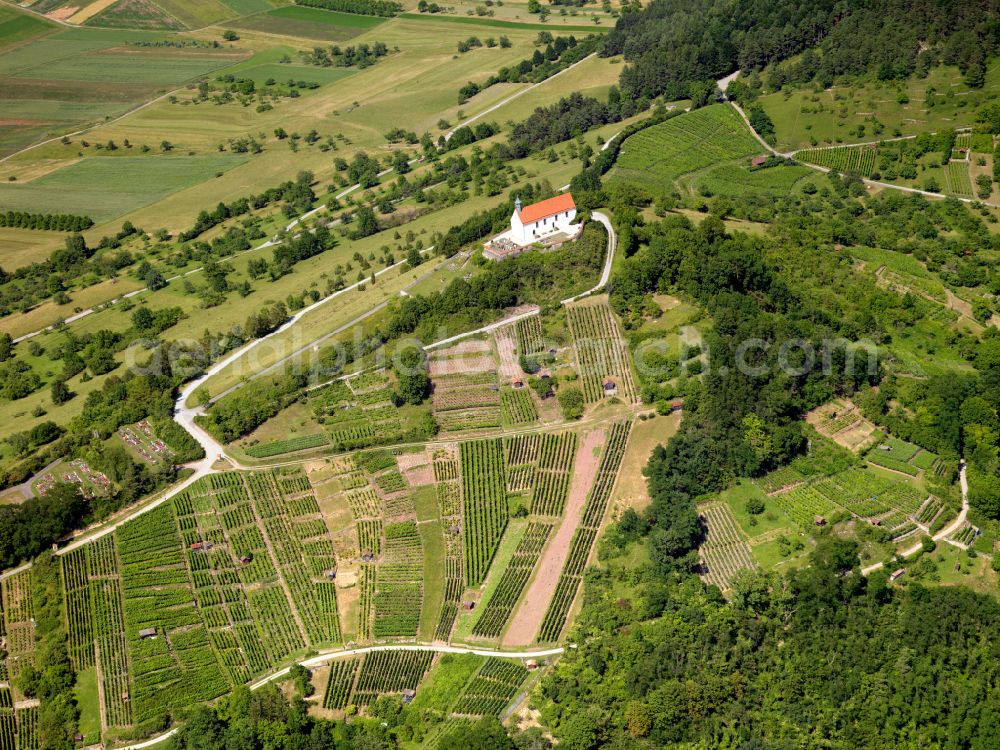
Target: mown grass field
x=106 y=187
x=803 y=115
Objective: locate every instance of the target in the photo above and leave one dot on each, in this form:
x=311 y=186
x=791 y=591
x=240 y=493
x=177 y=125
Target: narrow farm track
x=329 y=656
x=512 y=97
x=942 y=535
x=609 y=256
x=870 y=183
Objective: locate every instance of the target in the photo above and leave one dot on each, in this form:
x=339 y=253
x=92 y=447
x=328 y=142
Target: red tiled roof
x=550 y=207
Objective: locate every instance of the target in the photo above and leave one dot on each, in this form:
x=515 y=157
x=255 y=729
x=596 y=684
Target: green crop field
x=137 y=181
x=134 y=14
x=658 y=156
x=310 y=23
x=17 y=28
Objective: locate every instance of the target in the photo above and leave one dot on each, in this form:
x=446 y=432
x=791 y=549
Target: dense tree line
x=384 y=8
x=568 y=118
x=362 y=56
x=297 y=194
x=50 y=222
x=672 y=47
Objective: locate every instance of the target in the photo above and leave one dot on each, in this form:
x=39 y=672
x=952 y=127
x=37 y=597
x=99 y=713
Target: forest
x=675 y=49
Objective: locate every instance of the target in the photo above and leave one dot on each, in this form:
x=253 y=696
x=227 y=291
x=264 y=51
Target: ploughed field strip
x=724 y=552
x=494 y=616
x=586 y=534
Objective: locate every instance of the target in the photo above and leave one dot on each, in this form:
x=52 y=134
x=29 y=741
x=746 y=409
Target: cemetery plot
x=586 y=534
x=725 y=552
x=492 y=689
x=143 y=441
x=171 y=662
x=91 y=482
x=601 y=357
x=384 y=672
x=484 y=504
x=285 y=503
x=512 y=583
x=399 y=588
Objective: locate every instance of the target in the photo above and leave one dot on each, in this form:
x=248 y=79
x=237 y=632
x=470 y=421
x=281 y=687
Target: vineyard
x=724 y=552
x=513 y=581
x=468 y=400
x=601 y=356
x=399 y=587
x=552 y=474
x=176 y=667
x=492 y=689
x=529 y=336
x=18 y=623
x=356 y=413
x=484 y=504
x=517 y=407
x=901 y=456
x=383 y=672
x=658 y=155
x=859 y=160
x=586 y=534
x=448 y=492
x=279 y=447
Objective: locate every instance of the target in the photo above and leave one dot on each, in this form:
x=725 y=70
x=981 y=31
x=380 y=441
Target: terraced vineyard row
x=484 y=504
x=859 y=160
x=340 y=682
x=399 y=587
x=601 y=357
x=450 y=511
x=177 y=667
x=512 y=583
x=724 y=552
x=492 y=689
x=555 y=466
x=529 y=336
x=18 y=623
x=517 y=407
x=586 y=534
x=384 y=672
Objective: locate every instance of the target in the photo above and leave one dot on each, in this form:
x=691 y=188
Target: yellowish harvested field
x=22 y=247
x=89 y=11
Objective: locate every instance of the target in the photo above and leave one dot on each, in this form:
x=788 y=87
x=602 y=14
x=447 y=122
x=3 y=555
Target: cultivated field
x=658 y=156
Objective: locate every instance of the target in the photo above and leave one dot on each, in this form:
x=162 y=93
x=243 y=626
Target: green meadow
x=106 y=187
